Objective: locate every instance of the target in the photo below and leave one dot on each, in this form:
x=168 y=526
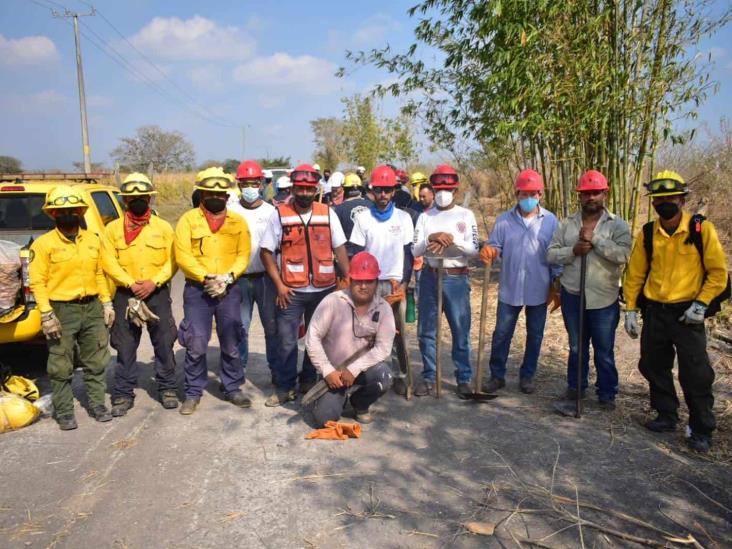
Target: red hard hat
x=364 y=266
x=444 y=177
x=402 y=177
x=305 y=175
x=249 y=170
x=592 y=180
x=383 y=176
x=529 y=180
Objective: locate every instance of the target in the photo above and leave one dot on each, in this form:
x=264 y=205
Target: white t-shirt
x=257 y=219
x=273 y=233
x=460 y=223
x=385 y=240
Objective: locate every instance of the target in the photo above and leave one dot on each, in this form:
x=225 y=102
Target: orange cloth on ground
x=335 y=430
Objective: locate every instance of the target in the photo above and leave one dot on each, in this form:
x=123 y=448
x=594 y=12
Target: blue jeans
x=288 y=324
x=506 y=317
x=600 y=326
x=259 y=290
x=456 y=304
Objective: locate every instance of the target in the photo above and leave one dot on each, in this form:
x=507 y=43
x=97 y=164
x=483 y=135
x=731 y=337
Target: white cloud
x=30 y=50
x=207 y=77
x=304 y=74
x=194 y=38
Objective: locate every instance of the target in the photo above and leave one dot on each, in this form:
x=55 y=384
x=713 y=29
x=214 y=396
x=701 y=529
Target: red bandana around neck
x=134 y=224
x=215 y=221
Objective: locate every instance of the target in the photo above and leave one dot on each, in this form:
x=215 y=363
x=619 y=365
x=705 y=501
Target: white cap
x=267 y=174
x=336 y=179
x=284 y=182
x=316 y=166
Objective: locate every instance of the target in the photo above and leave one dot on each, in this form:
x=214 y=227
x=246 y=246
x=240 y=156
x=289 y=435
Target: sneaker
x=278 y=398
x=238 y=398
x=400 y=386
x=120 y=405
x=424 y=388
x=526 y=385
x=189 y=406
x=662 y=423
x=607 y=405
x=169 y=399
x=699 y=443
x=463 y=389
x=364 y=417
x=305 y=386
x=67 y=422
x=571 y=394
x=101 y=413
x=494 y=383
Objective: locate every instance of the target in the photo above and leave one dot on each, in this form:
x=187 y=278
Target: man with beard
x=138 y=257
x=676 y=270
x=349 y=339
x=212 y=249
x=70 y=288
x=306 y=234
x=605 y=239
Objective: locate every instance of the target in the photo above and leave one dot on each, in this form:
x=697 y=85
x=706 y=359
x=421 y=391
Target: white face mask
x=443 y=198
x=250 y=194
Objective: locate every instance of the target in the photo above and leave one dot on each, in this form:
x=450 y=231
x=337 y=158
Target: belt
x=194 y=283
x=679 y=306
x=253 y=275
x=79 y=301
x=451 y=270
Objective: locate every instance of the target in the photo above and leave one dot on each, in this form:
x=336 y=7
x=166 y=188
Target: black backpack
x=695 y=238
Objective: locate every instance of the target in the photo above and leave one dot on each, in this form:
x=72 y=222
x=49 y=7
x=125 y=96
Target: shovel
x=565 y=407
x=481 y=333
x=438 y=360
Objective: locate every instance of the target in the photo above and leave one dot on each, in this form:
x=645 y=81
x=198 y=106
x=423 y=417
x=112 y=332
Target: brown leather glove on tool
x=138 y=313
x=397 y=293
x=335 y=430
x=554 y=300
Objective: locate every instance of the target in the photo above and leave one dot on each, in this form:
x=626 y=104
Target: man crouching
x=349 y=339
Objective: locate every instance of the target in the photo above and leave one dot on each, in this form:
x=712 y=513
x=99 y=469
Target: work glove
x=335 y=430
x=108 y=311
x=631 y=324
x=51 y=325
x=488 y=253
x=343 y=283
x=138 y=313
x=397 y=293
x=216 y=285
x=553 y=299
x=694 y=314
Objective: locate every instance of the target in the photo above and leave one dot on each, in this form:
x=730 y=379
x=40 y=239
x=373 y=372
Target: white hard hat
x=284 y=182
x=360 y=169
x=336 y=179
x=267 y=174
x=316 y=166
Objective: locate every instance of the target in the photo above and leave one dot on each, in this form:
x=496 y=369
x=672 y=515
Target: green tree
x=10 y=164
x=167 y=151
x=275 y=162
x=329 y=141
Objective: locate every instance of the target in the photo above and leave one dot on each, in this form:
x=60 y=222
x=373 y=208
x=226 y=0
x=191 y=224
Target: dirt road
x=248 y=478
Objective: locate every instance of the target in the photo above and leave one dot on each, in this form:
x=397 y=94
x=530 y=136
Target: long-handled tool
x=405 y=366
x=565 y=407
x=438 y=334
x=481 y=334
x=321 y=387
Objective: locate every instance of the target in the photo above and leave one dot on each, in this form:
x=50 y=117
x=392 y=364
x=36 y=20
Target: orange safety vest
x=306 y=251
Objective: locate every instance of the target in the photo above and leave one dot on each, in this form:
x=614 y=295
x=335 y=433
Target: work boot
x=238 y=398
x=101 y=413
x=424 y=388
x=121 y=404
x=364 y=417
x=306 y=385
x=607 y=405
x=526 y=385
x=663 y=423
x=400 y=386
x=494 y=383
x=189 y=406
x=571 y=394
x=699 y=443
x=169 y=399
x=463 y=390
x=278 y=398
x=67 y=422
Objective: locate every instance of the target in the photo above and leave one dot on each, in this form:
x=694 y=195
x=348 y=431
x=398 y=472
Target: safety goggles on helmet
x=61 y=200
x=214 y=184
x=311 y=178
x=136 y=187
x=665 y=185
x=444 y=179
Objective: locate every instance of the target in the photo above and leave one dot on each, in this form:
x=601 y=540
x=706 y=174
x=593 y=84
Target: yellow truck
x=22 y=220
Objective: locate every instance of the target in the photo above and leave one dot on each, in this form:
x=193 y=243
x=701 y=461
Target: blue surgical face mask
x=528 y=205
x=250 y=194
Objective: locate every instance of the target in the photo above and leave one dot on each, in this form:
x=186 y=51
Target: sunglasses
x=136 y=186
x=61 y=200
x=443 y=179
x=382 y=190
x=212 y=184
x=664 y=185
x=305 y=177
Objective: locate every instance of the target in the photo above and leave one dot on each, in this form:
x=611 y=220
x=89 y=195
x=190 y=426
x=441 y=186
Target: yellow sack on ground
x=21 y=386
x=16 y=412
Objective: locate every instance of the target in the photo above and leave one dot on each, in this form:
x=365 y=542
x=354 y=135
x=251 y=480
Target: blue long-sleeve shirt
x=523 y=243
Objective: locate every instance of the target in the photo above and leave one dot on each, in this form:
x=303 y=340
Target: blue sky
x=267 y=66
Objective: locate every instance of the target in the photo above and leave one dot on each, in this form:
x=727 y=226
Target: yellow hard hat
x=214 y=179
x=667 y=183
x=417 y=178
x=352 y=180
x=137 y=184
x=64 y=196
x=16 y=412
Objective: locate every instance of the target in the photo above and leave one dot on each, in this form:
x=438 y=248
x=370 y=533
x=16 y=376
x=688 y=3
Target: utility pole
x=80 y=77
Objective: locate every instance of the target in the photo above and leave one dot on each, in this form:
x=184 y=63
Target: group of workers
x=338 y=257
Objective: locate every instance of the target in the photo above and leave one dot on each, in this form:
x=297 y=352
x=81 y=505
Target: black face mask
x=68 y=221
x=138 y=206
x=667 y=210
x=304 y=201
x=214 y=205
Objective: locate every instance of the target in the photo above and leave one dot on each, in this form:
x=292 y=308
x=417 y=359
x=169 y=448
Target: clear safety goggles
x=215 y=183
x=61 y=200
x=136 y=187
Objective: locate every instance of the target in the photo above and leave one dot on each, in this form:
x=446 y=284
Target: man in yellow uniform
x=212 y=247
x=71 y=291
x=676 y=270
x=138 y=257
